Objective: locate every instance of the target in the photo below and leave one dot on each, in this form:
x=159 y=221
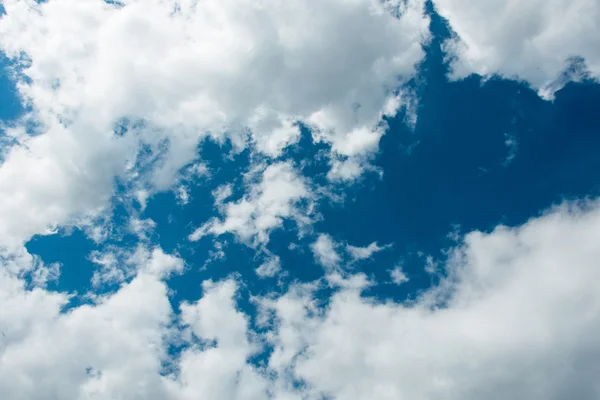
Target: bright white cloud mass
x=540 y=41
x=118 y=98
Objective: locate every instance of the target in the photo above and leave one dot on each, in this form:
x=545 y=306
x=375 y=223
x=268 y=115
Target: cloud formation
x=517 y=315
x=128 y=90
x=540 y=41
x=278 y=195
x=325 y=251
x=362 y=253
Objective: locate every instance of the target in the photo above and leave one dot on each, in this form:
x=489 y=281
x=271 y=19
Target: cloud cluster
x=119 y=265
x=326 y=251
x=516 y=316
x=91 y=351
x=398 y=276
x=128 y=89
x=538 y=41
x=270 y=268
x=281 y=193
x=363 y=253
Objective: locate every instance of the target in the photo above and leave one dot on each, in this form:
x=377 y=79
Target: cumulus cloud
x=117 y=265
x=269 y=268
x=222 y=193
x=54 y=179
x=92 y=351
x=329 y=253
x=141 y=227
x=128 y=89
x=345 y=170
x=278 y=195
x=398 y=276
x=117 y=345
x=540 y=41
x=516 y=315
x=324 y=251
x=363 y=253
x=350 y=169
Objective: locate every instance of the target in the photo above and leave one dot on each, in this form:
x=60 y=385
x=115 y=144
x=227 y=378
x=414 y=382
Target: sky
x=310 y=199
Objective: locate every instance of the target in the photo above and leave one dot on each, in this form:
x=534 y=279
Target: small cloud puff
x=398 y=276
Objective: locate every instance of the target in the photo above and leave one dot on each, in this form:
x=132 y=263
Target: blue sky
x=311 y=200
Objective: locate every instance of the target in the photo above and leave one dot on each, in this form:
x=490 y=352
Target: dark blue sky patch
x=115 y=3
x=71 y=250
x=10 y=104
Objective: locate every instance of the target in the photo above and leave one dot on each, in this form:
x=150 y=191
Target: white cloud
x=183 y=195
x=170 y=73
x=529 y=40
x=269 y=268
x=141 y=227
x=118 y=265
x=109 y=269
x=292 y=330
x=363 y=253
x=347 y=170
x=222 y=193
x=45 y=273
x=277 y=196
x=156 y=262
x=431 y=265
x=216 y=253
x=398 y=276
x=92 y=351
x=54 y=179
x=22 y=264
x=273 y=133
x=324 y=251
x=116 y=347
